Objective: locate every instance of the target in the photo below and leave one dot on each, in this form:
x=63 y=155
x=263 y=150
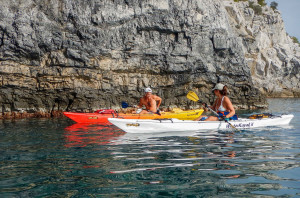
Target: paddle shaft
x=206 y=106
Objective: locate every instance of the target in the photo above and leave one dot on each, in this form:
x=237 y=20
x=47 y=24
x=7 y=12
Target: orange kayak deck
x=102 y=118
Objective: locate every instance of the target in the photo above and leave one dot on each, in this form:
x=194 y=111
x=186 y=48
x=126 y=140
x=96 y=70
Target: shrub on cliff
x=261 y=2
x=274 y=5
x=295 y=40
x=257 y=8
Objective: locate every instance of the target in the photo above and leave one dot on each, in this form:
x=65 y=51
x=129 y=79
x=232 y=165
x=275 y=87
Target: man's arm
x=158 y=100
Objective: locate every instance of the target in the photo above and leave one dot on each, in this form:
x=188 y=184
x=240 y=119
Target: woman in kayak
x=222 y=105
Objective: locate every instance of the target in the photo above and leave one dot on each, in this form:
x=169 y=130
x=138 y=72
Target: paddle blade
x=192 y=96
x=124 y=104
x=233 y=126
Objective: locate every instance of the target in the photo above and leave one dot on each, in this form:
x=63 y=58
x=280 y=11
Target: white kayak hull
x=175 y=125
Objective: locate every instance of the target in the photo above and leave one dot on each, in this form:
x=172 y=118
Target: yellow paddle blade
x=192 y=96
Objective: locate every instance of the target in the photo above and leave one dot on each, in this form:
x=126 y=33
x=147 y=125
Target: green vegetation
x=274 y=5
x=257 y=8
x=261 y=2
x=295 y=39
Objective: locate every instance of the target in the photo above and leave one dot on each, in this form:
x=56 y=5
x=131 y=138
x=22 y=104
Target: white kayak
x=175 y=125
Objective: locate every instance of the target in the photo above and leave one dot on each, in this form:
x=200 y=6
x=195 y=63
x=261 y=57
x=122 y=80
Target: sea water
x=58 y=158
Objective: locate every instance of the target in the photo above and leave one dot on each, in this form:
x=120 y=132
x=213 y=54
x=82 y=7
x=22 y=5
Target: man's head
x=148 y=91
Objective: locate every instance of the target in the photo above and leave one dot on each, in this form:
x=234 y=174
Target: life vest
x=224 y=113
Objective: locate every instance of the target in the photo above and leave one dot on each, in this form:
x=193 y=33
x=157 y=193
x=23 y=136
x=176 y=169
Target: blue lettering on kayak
x=241 y=125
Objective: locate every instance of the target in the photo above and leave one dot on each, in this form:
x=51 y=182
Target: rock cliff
x=64 y=55
x=271 y=55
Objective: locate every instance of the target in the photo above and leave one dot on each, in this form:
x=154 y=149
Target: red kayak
x=101 y=116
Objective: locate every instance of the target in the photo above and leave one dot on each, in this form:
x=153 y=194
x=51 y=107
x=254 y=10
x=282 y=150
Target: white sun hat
x=148 y=89
x=219 y=86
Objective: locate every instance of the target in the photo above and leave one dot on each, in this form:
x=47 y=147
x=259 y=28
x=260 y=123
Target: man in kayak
x=222 y=105
x=151 y=102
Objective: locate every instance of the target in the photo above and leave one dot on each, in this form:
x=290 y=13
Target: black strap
x=160 y=120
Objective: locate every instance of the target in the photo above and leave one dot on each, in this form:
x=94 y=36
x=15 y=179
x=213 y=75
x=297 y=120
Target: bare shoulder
x=155 y=97
x=227 y=100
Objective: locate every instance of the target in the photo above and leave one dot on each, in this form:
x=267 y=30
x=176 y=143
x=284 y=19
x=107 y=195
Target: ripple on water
x=57 y=158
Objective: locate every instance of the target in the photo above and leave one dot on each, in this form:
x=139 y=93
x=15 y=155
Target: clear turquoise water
x=57 y=158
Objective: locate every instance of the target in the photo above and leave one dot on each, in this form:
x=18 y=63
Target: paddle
x=194 y=97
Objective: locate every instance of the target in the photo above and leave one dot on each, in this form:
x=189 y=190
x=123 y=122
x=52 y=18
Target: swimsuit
x=222 y=112
x=221 y=108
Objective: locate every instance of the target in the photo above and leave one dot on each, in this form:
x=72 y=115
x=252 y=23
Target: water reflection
x=190 y=150
x=151 y=138
x=219 y=155
x=81 y=135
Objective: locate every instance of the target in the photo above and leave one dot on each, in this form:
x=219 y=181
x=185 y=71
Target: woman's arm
x=227 y=103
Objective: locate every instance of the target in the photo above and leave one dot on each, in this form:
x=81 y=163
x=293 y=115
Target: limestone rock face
x=273 y=58
x=64 y=55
